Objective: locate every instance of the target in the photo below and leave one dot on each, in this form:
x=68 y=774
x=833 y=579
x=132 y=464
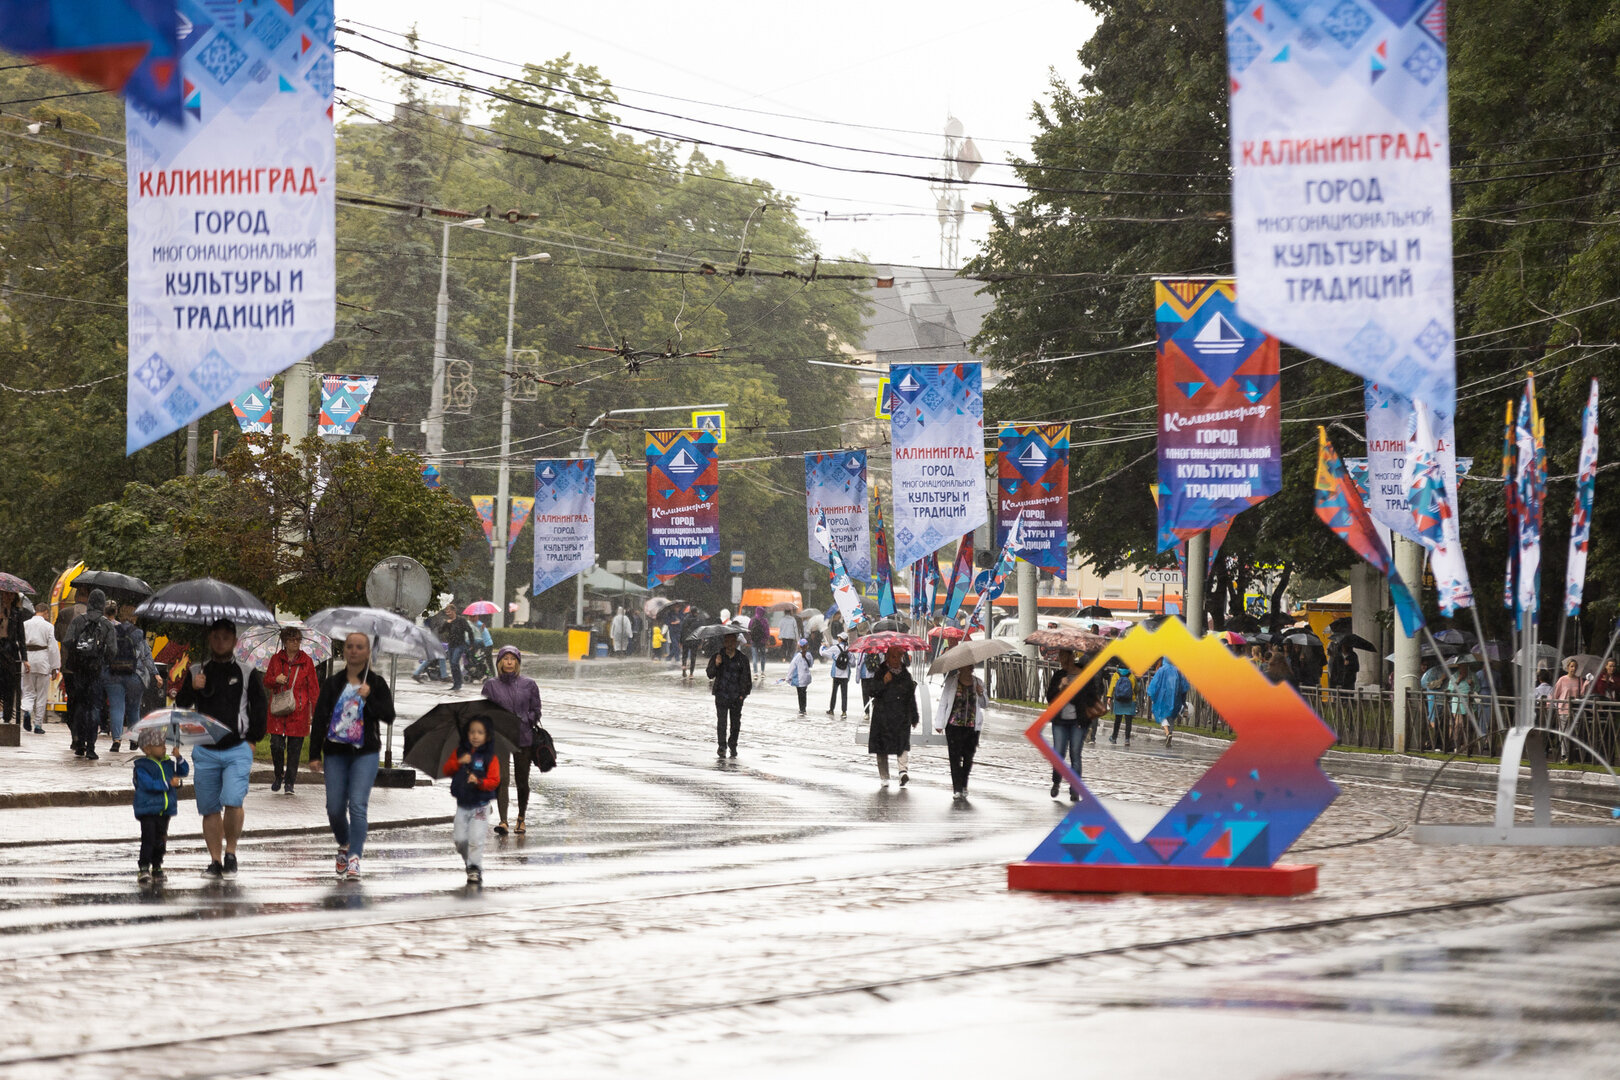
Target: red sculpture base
x=1279 y=880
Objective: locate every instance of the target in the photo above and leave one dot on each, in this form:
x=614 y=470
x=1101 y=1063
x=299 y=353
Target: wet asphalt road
x=672 y=915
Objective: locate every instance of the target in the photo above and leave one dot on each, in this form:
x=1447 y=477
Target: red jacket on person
x=305 y=685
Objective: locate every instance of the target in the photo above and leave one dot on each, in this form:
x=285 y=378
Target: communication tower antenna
x=960 y=160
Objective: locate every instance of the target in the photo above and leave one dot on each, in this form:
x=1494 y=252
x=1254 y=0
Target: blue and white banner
x=835 y=485
x=255 y=408
x=231 y=271
x=1391 y=426
x=564 y=520
x=845 y=598
x=343 y=401
x=937 y=432
x=1341 y=190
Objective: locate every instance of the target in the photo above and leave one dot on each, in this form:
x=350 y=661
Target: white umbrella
x=389 y=633
x=969 y=653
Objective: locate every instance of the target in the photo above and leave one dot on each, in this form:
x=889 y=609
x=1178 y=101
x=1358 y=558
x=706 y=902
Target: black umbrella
x=1303 y=639
x=1094 y=611
x=431 y=740
x=120 y=586
x=1342 y=625
x=201 y=601
x=717 y=630
x=1356 y=641
x=892 y=622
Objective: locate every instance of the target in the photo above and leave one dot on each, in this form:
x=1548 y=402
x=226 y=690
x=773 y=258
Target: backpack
x=1123 y=690
x=89 y=649
x=543 y=752
x=122 y=661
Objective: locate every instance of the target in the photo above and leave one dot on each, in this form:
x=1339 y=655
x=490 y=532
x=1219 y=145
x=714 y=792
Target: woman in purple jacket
x=519 y=696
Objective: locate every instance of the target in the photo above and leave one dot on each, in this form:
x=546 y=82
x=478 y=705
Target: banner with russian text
x=564 y=520
x=1032 y=465
x=485 y=507
x=343 y=401
x=1391 y=425
x=231 y=212
x=1341 y=187
x=1220 y=407
x=835 y=484
x=255 y=408
x=518 y=509
x=683 y=512
x=937 y=434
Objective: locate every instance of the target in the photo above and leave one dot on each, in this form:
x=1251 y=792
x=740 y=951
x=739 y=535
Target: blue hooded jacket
x=154 y=795
x=1167 y=690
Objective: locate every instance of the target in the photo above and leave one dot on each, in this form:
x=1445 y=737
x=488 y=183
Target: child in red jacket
x=475 y=771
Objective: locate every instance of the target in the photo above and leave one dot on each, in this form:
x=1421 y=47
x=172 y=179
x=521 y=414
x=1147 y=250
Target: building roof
x=927 y=316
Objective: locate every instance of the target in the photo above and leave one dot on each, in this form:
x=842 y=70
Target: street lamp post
x=435 y=418
x=585 y=451
x=503 y=485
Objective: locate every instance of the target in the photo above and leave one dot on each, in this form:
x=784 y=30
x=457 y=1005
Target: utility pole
x=1197 y=564
x=1408 y=564
x=434 y=428
x=1026 y=605
x=295 y=403
x=191 y=448
x=503 y=483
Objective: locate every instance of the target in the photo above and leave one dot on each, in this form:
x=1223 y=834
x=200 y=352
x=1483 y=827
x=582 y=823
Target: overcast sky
x=903 y=65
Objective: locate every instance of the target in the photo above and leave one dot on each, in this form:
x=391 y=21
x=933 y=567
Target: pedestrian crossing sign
x=712 y=422
x=883 y=407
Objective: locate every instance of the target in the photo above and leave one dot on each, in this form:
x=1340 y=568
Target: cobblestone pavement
x=670 y=915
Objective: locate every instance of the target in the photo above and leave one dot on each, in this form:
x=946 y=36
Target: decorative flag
x=835 y=483
x=993 y=582
x=844 y=595
x=430 y=476
x=255 y=409
x=1339 y=506
x=683 y=512
x=343 y=400
x=1510 y=507
x=1220 y=407
x=1530 y=480
x=1032 y=466
x=961 y=576
x=919 y=591
x=485 y=505
x=131 y=47
x=564 y=520
x=937 y=432
x=1217 y=537
x=518 y=509
x=231 y=213
x=882 y=573
x=1434 y=515
x=1341 y=185
x=1580 y=518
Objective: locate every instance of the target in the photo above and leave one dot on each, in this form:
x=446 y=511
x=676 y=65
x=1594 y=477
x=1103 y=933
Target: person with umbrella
x=893 y=696
x=12 y=647
x=960 y=715
x=1070 y=724
x=130 y=670
x=759 y=637
x=232 y=693
x=520 y=696
x=157 y=782
x=85 y=649
x=353 y=705
x=294 y=686
x=1343 y=663
x=731 y=680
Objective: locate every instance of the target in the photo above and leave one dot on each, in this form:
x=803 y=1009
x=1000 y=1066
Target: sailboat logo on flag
x=853 y=464
x=254 y=408
x=548 y=473
x=908 y=387
x=682 y=463
x=1032 y=457
x=343 y=400
x=1217 y=337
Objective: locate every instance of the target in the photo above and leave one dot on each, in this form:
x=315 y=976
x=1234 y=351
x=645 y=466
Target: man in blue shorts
x=232 y=693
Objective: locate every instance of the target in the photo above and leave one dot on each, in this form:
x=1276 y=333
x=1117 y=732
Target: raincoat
x=894 y=711
x=517 y=694
x=305 y=685
x=1167 y=692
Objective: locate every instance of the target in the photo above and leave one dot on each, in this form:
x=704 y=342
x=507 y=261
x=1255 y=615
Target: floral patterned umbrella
x=882 y=643
x=257 y=644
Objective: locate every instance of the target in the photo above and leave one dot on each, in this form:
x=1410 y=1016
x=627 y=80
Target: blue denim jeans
x=456 y=656
x=1068 y=739
x=349 y=778
x=123 y=701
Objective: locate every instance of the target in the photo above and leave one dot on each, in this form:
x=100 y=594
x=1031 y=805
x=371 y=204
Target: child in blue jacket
x=157 y=780
x=475 y=772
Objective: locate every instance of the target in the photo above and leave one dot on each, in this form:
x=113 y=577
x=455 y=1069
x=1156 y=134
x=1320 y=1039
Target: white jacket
x=799 y=670
x=947 y=696
x=42 y=653
x=830 y=653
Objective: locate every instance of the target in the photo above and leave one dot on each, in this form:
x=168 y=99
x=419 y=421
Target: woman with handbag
x=293 y=686
x=519 y=696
